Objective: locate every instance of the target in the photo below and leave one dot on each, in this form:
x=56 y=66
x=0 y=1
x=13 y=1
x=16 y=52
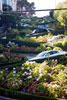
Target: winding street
x=29 y=56
x=6 y=98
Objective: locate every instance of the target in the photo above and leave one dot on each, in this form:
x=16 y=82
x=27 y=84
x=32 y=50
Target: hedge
x=22 y=95
x=11 y=66
x=20 y=43
x=26 y=52
x=4 y=64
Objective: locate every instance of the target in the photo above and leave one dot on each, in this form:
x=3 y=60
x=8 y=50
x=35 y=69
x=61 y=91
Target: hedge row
x=4 y=64
x=20 y=43
x=26 y=52
x=11 y=66
x=22 y=95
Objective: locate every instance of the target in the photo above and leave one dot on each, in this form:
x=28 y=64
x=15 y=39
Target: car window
x=55 y=52
x=52 y=52
x=42 y=54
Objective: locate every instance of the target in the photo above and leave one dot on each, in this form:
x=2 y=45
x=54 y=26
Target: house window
x=4 y=1
x=8 y=2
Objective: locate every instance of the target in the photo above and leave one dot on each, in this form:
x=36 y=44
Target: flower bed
x=26 y=49
x=8 y=58
x=46 y=79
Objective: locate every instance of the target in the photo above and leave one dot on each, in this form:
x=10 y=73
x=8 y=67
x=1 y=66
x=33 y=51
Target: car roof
x=48 y=51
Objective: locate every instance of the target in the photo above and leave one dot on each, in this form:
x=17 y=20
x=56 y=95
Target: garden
x=47 y=79
x=8 y=58
x=20 y=78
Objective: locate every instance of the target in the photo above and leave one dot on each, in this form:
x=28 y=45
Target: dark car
x=37 y=31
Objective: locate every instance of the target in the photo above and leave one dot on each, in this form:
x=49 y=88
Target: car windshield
x=33 y=31
x=47 y=53
x=42 y=54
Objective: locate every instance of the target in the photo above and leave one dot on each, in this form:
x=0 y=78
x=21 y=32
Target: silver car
x=48 y=55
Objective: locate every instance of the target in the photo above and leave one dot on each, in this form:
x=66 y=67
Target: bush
x=63 y=60
x=13 y=81
x=26 y=31
x=57 y=48
x=65 y=43
x=20 y=95
x=45 y=79
x=27 y=39
x=1 y=46
x=13 y=31
x=65 y=33
x=49 y=48
x=58 y=44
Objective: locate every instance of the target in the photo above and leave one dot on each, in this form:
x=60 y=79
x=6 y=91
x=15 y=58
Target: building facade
x=1 y=2
x=12 y=3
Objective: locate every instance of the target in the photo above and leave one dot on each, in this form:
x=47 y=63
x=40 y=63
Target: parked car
x=39 y=30
x=43 y=26
x=55 y=38
x=46 y=55
x=24 y=24
x=2 y=29
x=4 y=37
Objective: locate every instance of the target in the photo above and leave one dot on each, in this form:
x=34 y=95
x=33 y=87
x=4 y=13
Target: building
x=1 y=5
x=12 y=3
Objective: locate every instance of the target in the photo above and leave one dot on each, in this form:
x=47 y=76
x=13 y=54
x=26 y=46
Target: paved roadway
x=6 y=98
x=29 y=56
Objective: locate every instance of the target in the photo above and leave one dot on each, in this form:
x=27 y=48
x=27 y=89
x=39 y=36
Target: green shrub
x=63 y=60
x=39 y=49
x=57 y=48
x=27 y=39
x=65 y=43
x=49 y=48
x=3 y=59
x=58 y=44
x=1 y=46
x=14 y=31
x=24 y=59
x=13 y=81
x=42 y=46
x=65 y=33
x=1 y=77
x=26 y=31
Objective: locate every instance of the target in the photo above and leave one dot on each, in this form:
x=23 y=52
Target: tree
x=51 y=14
x=61 y=15
x=7 y=7
x=9 y=20
x=24 y=5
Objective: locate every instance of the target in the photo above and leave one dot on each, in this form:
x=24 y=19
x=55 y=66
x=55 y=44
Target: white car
x=47 y=55
x=55 y=38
